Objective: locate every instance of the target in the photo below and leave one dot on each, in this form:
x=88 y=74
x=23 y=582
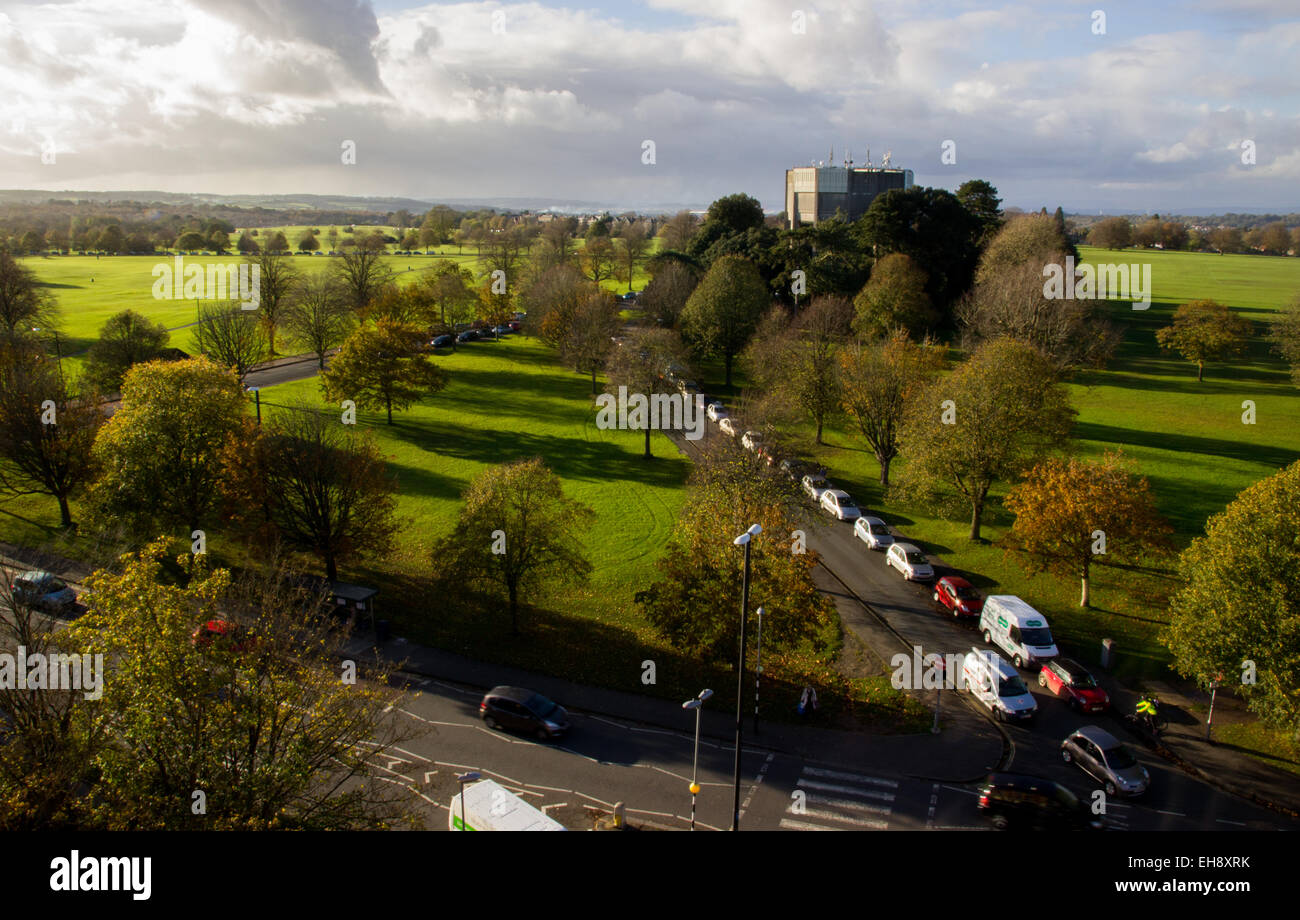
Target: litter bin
x=1107 y=653
x=381 y=631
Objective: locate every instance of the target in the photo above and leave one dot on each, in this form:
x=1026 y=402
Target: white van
x=1018 y=629
x=998 y=686
x=491 y=807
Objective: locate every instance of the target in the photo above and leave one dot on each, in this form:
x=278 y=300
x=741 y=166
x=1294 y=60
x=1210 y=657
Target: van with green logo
x=1018 y=629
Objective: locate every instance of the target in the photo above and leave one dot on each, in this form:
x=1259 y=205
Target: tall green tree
x=893 y=298
x=724 y=309
x=1205 y=330
x=384 y=366
x=127 y=339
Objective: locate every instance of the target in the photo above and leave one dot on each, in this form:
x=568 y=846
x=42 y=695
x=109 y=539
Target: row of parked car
x=1013 y=626
x=475 y=333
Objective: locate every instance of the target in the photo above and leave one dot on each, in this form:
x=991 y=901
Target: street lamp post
x=758 y=666
x=742 y=540
x=463 y=778
x=697 y=704
x=257 y=399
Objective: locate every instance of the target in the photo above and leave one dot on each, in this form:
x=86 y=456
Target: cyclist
x=1147 y=710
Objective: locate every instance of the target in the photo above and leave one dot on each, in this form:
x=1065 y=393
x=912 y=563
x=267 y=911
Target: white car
x=997 y=685
x=728 y=427
x=838 y=503
x=815 y=485
x=874 y=532
x=910 y=561
x=716 y=412
x=751 y=440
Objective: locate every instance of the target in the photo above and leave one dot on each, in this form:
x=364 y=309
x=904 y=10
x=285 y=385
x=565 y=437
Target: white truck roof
x=489 y=806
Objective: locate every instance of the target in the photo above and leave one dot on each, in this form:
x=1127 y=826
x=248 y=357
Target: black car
x=442 y=341
x=520 y=710
x=44 y=591
x=1014 y=800
x=469 y=335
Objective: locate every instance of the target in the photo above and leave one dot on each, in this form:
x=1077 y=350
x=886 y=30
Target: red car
x=1071 y=680
x=958 y=596
x=223 y=632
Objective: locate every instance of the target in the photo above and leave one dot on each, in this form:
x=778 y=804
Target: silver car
x=44 y=591
x=1100 y=754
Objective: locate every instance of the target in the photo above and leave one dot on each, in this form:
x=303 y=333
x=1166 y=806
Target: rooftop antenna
x=885 y=161
x=850 y=158
x=831 y=159
x=868 y=158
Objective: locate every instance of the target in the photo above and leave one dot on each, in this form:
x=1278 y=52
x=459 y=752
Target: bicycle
x=1148 y=715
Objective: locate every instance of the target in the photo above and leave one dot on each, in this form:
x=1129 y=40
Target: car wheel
x=1066 y=755
x=1017 y=661
x=1110 y=788
x=988 y=637
x=492 y=723
x=936 y=597
x=543 y=735
x=1042 y=679
x=1000 y=822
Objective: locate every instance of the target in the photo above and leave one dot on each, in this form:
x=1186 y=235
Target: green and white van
x=1018 y=629
x=491 y=807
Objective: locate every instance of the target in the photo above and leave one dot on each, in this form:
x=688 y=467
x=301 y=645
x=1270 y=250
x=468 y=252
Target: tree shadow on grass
x=1246 y=451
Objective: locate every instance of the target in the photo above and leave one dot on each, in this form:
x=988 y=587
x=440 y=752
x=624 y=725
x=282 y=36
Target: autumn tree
x=519 y=532
x=589 y=340
x=24 y=302
x=381 y=367
x=160 y=453
x=278 y=276
x=632 y=246
x=879 y=383
x=257 y=719
x=127 y=339
x=641 y=365
x=1285 y=333
x=363 y=273
x=598 y=258
x=1234 y=618
x=665 y=297
x=47 y=430
x=1111 y=233
x=997 y=414
x=319 y=314
x=678 y=230
x=1205 y=330
x=724 y=309
x=1071 y=514
x=319 y=485
x=450 y=290
x=893 y=298
x=695 y=598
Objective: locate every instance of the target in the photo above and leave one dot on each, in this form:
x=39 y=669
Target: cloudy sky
x=1147 y=110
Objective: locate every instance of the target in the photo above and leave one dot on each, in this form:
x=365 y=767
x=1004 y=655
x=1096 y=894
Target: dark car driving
x=526 y=711
x=1017 y=801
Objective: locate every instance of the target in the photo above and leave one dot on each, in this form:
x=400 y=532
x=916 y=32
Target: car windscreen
x=878 y=528
x=966 y=592
x=541 y=706
x=1037 y=636
x=1081 y=679
x=916 y=558
x=1012 y=686
x=52 y=585
x=1118 y=758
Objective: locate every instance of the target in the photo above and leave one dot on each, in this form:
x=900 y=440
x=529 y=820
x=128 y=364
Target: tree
x=278 y=276
x=363 y=273
x=247 y=245
x=1285 y=333
x=893 y=298
x=679 y=230
x=724 y=309
x=598 y=258
x=632 y=247
x=517 y=531
x=219 y=241
x=641 y=365
x=1234 y=616
x=160 y=453
x=258 y=721
x=24 y=302
x=551 y=301
x=1010 y=302
x=693 y=601
x=319 y=485
x=1111 y=233
x=47 y=431
x=736 y=213
x=1072 y=514
x=450 y=290
x=555 y=244
x=665 y=297
x=319 y=314
x=1275 y=238
x=191 y=241
x=382 y=367
x=125 y=340
x=997 y=414
x=981 y=201
x=1034 y=239
x=1205 y=330
x=880 y=384
x=589 y=340
x=1227 y=239
x=307 y=242
x=231 y=336
x=795 y=362
x=505 y=251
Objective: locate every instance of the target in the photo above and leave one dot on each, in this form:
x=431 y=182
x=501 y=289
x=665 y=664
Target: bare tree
x=278 y=276
x=24 y=304
x=320 y=314
x=665 y=296
x=363 y=272
x=231 y=336
x=632 y=247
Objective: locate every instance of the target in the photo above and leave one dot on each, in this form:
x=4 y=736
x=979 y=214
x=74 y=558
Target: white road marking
x=961 y=789
x=844 y=819
x=805 y=826
x=1177 y=814
x=856 y=777
x=1226 y=821
x=847 y=790
x=847 y=803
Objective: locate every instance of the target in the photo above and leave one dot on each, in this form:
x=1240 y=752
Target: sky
x=1142 y=106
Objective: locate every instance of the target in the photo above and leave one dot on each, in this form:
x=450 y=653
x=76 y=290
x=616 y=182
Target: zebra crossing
x=837 y=800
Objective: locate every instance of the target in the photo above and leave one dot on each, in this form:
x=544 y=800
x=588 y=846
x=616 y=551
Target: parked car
x=43 y=591
x=716 y=412
x=222 y=632
x=501 y=330
x=515 y=325
x=839 y=503
x=469 y=335
x=1101 y=755
x=1014 y=800
x=814 y=485
x=874 y=532
x=520 y=710
x=958 y=596
x=442 y=341
x=911 y=563
x=1070 y=680
x=751 y=440
x=793 y=468
x=728 y=427
x=997 y=686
